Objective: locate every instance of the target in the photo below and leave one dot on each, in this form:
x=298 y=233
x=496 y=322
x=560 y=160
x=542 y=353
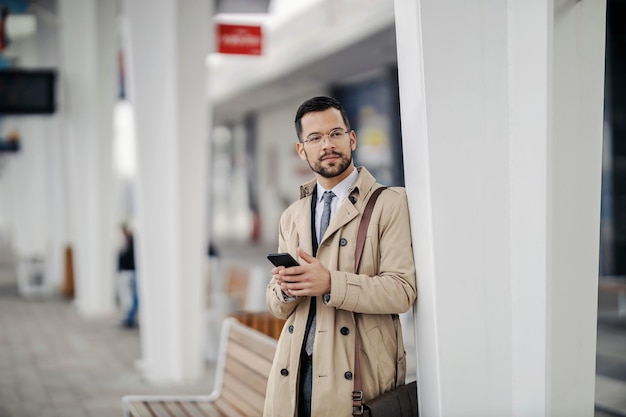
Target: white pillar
x=502 y=123
x=578 y=97
x=56 y=205
x=88 y=75
x=31 y=179
x=169 y=42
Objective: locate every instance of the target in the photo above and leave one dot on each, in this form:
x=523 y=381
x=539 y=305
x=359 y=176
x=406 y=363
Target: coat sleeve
x=277 y=303
x=392 y=288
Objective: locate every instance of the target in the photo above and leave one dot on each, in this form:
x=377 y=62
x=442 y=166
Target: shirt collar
x=342 y=189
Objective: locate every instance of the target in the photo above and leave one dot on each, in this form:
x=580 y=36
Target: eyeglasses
x=335 y=136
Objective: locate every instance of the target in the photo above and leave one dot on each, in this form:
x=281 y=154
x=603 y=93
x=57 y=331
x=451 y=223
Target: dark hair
x=316 y=104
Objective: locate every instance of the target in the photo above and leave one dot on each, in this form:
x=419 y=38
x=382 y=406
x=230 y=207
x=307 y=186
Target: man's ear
x=301 y=151
x=353 y=140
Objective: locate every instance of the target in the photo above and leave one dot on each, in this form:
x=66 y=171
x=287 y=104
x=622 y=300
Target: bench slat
x=139 y=409
x=265 y=345
x=228 y=410
x=174 y=409
x=194 y=410
x=249 y=359
x=157 y=409
x=220 y=408
x=242 y=396
x=243 y=408
x=253 y=379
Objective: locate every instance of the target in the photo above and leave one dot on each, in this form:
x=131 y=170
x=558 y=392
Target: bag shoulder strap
x=357 y=393
x=365 y=220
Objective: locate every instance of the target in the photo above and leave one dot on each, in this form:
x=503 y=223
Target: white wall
x=24 y=185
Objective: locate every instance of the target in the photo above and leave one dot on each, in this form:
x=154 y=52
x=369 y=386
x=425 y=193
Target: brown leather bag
x=402 y=401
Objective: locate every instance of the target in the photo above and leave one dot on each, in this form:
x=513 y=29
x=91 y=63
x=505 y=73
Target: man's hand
x=310 y=279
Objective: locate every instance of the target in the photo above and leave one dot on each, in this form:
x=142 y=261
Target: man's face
x=329 y=158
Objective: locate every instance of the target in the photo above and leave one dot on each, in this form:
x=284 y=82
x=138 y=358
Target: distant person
x=212 y=251
x=126 y=263
x=325 y=302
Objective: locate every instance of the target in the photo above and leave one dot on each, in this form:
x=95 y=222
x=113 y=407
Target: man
x=323 y=297
x=126 y=263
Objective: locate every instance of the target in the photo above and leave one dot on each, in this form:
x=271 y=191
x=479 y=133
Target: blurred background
x=107 y=118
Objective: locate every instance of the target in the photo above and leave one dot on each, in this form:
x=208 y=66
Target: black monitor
x=27 y=91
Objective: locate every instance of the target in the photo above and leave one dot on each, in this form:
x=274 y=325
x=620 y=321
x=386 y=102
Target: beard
x=330 y=169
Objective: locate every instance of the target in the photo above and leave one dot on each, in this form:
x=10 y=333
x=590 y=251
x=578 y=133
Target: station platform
x=54 y=363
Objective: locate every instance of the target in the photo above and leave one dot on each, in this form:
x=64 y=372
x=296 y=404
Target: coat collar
x=361 y=188
x=351 y=206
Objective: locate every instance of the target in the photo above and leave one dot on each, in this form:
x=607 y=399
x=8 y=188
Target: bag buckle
x=357 y=397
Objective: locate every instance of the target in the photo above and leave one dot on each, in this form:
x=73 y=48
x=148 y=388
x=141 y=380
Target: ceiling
x=357 y=61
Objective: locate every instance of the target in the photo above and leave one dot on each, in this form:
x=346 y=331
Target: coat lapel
x=348 y=211
x=304 y=227
x=345 y=213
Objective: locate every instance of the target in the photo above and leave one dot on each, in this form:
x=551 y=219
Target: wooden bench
x=243 y=366
x=263 y=321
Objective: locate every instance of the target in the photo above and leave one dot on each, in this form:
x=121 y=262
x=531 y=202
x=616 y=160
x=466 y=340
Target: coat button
x=345 y=331
x=348 y=375
x=284 y=372
x=343 y=242
x=291 y=328
x=352 y=199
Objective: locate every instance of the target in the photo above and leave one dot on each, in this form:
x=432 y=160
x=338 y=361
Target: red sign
x=239 y=39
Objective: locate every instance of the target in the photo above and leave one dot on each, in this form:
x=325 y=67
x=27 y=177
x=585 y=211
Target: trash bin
x=31 y=277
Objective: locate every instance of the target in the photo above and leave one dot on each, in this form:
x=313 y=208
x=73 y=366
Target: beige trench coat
x=384 y=286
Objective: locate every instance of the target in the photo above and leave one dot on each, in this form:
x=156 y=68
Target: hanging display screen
x=27 y=92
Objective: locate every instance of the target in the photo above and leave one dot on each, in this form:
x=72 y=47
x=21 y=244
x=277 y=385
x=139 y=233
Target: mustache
x=332 y=153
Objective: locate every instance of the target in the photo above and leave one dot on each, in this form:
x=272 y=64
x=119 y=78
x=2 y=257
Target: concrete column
x=30 y=178
x=56 y=203
x=578 y=97
x=87 y=83
x=167 y=49
x=502 y=128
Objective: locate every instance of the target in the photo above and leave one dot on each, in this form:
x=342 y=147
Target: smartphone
x=282 y=259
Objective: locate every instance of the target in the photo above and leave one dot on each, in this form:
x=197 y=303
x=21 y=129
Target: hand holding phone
x=282 y=259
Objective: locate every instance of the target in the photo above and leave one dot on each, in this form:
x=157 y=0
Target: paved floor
x=54 y=363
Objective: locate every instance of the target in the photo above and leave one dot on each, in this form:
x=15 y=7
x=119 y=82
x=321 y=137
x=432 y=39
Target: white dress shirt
x=341 y=191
